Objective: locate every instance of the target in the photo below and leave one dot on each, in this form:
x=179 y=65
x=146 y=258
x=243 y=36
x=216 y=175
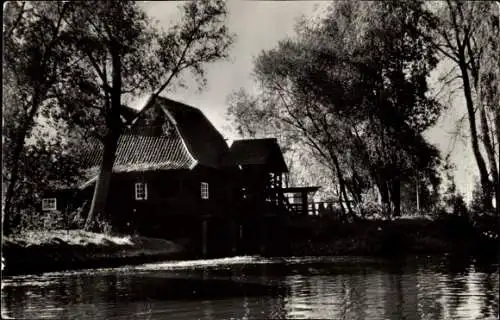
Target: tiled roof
x=202 y=139
x=257 y=152
x=142 y=153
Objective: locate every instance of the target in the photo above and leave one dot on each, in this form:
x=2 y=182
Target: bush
x=487 y=225
x=31 y=220
x=371 y=210
x=34 y=220
x=104 y=226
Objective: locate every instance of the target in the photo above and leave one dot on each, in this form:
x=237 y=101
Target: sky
x=259 y=25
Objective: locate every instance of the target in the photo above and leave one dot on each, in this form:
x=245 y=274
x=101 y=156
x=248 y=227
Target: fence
x=319 y=208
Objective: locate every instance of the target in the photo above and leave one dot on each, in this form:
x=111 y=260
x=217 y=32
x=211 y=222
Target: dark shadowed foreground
x=258 y=288
x=42 y=251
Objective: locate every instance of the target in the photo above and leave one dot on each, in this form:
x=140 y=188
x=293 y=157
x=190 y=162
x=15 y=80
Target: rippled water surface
x=258 y=288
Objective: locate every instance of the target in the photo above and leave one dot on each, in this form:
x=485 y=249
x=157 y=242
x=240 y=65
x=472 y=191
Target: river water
x=260 y=288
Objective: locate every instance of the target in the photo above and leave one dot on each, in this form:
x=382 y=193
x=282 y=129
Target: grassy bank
x=450 y=235
x=34 y=252
x=39 y=251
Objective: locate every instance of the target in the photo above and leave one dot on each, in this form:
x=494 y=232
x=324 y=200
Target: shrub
x=371 y=210
x=32 y=220
x=104 y=226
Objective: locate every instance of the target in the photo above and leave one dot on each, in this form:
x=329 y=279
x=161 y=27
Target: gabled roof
x=142 y=153
x=203 y=141
x=194 y=141
x=265 y=152
x=128 y=114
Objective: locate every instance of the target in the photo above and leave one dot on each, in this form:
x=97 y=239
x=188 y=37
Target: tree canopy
x=80 y=61
x=353 y=88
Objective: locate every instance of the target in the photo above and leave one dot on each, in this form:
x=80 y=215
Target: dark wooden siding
x=171 y=195
x=69 y=200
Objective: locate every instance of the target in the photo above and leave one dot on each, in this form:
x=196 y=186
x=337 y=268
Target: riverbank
x=36 y=252
x=55 y=250
x=448 y=235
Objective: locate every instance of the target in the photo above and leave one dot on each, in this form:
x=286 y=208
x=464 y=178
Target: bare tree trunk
x=98 y=206
x=384 y=194
x=355 y=189
x=381 y=186
x=496 y=108
x=497 y=120
x=340 y=202
x=114 y=124
x=396 y=196
x=483 y=172
x=342 y=186
x=488 y=145
x=487 y=140
x=497 y=189
x=7 y=213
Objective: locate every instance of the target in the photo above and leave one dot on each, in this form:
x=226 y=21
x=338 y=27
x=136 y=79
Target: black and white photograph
x=250 y=159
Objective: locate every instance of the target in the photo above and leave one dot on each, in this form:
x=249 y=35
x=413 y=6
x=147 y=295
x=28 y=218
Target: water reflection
x=298 y=289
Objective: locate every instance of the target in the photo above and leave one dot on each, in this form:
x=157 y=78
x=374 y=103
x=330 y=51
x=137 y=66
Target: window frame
x=45 y=202
x=137 y=190
x=204 y=190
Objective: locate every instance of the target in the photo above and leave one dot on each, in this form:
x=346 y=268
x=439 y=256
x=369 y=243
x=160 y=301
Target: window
x=204 y=190
x=141 y=191
x=49 y=204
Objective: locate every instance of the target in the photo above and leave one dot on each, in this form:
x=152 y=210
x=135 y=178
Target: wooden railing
x=319 y=208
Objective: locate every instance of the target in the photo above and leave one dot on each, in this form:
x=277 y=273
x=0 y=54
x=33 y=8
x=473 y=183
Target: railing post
x=303 y=203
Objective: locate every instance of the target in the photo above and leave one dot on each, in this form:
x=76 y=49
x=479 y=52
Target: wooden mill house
x=175 y=177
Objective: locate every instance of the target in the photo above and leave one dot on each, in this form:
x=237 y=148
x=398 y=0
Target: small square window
x=204 y=190
x=49 y=204
x=141 y=191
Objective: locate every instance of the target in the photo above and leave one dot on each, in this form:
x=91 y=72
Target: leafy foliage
x=45 y=164
x=36 y=62
x=352 y=87
x=76 y=62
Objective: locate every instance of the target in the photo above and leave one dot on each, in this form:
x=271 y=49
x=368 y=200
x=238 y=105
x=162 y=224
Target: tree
x=78 y=61
x=467 y=34
x=46 y=164
x=125 y=55
x=454 y=202
x=36 y=62
x=250 y=121
x=353 y=88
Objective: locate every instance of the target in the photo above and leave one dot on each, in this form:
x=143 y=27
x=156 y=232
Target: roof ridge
x=149 y=104
x=183 y=104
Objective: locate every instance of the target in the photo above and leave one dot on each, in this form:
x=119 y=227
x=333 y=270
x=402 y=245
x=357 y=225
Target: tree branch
x=16 y=22
x=176 y=69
